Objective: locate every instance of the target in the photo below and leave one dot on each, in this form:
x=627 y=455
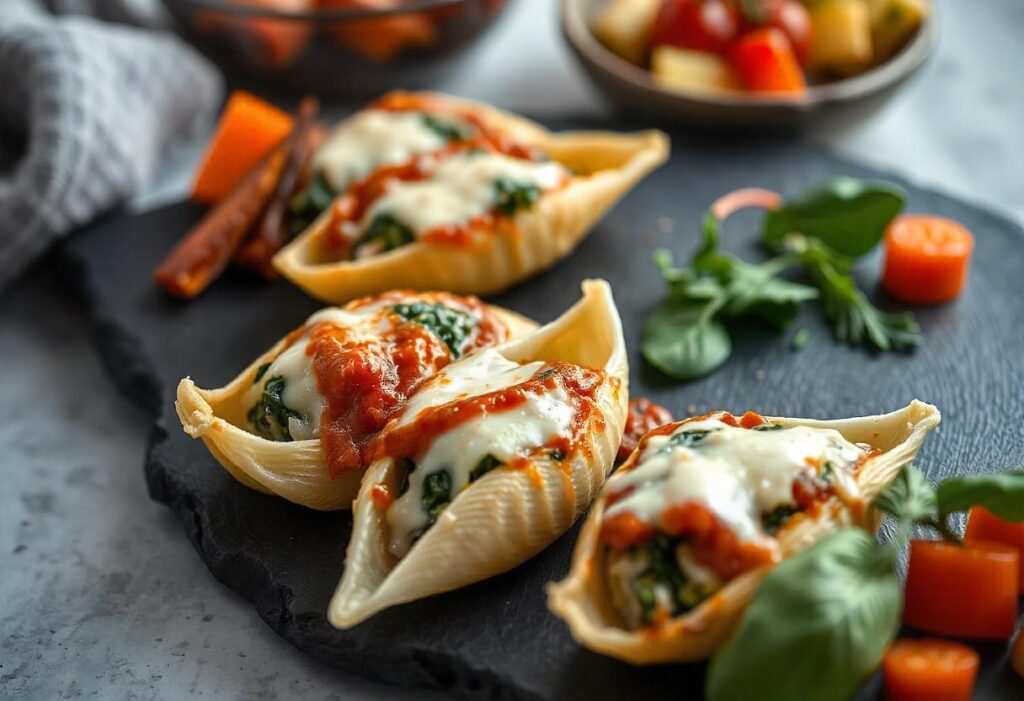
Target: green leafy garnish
x=511 y=196
x=825 y=616
x=488 y=463
x=847 y=215
x=452 y=326
x=1002 y=493
x=385 y=233
x=437 y=494
x=269 y=415
x=448 y=131
x=820 y=232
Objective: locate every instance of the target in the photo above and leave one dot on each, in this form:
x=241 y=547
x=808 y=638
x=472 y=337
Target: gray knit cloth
x=86 y=108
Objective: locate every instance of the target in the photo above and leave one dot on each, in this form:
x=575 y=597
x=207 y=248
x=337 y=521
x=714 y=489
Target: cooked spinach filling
x=269 y=415
x=448 y=131
x=662 y=584
x=768 y=427
x=307 y=205
x=385 y=233
x=437 y=487
x=511 y=196
x=775 y=519
x=452 y=326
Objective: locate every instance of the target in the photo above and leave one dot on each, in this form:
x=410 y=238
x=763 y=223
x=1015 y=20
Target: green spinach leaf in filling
x=452 y=326
x=511 y=196
x=269 y=416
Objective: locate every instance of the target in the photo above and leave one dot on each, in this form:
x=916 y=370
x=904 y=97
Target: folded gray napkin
x=86 y=108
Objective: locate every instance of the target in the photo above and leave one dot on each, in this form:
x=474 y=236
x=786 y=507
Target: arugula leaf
x=683 y=340
x=1002 y=493
x=855 y=320
x=511 y=196
x=847 y=215
x=818 y=625
x=269 y=415
x=452 y=326
x=385 y=233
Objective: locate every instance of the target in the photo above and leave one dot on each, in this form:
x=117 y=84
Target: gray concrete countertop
x=100 y=592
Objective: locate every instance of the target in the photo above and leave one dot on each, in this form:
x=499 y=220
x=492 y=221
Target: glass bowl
x=335 y=48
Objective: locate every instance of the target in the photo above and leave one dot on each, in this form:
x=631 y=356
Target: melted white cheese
x=738 y=473
x=505 y=435
x=375 y=138
x=461 y=188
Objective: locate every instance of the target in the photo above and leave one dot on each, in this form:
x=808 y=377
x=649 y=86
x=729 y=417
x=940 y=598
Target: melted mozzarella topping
x=738 y=473
x=460 y=189
x=295 y=365
x=505 y=435
x=375 y=138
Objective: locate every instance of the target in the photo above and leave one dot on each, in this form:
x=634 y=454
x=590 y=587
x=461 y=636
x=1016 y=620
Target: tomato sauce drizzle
x=365 y=382
x=413 y=439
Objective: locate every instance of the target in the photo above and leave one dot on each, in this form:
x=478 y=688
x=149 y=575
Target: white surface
x=100 y=592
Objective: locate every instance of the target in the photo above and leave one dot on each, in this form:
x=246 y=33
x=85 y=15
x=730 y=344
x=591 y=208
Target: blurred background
x=119 y=605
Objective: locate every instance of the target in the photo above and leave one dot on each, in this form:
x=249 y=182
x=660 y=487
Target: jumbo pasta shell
x=583 y=601
x=295 y=470
x=507 y=516
x=607 y=166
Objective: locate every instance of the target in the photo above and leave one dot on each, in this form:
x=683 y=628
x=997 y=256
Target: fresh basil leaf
x=683 y=340
x=908 y=498
x=756 y=289
x=818 y=626
x=1002 y=493
x=847 y=215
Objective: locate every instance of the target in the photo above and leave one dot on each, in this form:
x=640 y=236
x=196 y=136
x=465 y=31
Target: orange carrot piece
x=382 y=38
x=967 y=591
x=929 y=670
x=926 y=259
x=982 y=524
x=249 y=128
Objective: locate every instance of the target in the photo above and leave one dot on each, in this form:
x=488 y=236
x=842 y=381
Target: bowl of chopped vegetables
x=336 y=48
x=749 y=64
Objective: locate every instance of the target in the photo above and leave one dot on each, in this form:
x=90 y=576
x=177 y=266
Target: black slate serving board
x=496 y=639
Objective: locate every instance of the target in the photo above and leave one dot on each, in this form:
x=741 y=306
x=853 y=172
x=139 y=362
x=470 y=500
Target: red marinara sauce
x=365 y=382
x=713 y=544
x=580 y=383
x=643 y=416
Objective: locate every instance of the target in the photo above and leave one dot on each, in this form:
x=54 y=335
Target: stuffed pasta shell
x=493 y=459
x=298 y=421
x=685 y=531
x=427 y=191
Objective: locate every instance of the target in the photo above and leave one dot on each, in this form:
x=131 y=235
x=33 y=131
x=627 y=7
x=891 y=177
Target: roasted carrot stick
x=202 y=255
x=926 y=259
x=271 y=231
x=249 y=128
x=929 y=670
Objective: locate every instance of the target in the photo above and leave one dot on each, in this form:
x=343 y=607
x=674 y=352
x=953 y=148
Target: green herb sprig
x=827 y=615
x=821 y=232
